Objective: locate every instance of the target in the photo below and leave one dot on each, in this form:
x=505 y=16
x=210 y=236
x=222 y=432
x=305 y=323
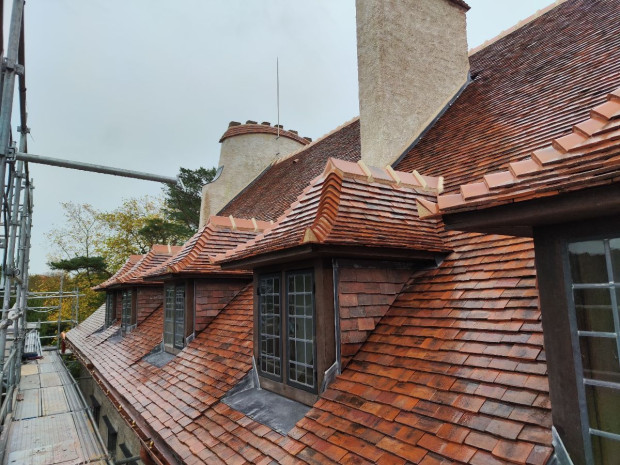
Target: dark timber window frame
x=281 y=355
x=128 y=309
x=110 y=308
x=590 y=383
x=562 y=350
x=324 y=347
x=178 y=315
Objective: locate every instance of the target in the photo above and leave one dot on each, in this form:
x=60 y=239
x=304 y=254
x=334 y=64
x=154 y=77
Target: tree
x=79 y=238
x=182 y=203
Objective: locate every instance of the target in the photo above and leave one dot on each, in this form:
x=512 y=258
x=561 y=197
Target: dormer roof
x=114 y=279
x=351 y=204
x=217 y=236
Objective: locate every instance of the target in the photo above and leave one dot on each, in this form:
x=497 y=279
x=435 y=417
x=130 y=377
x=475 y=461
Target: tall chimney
x=412 y=61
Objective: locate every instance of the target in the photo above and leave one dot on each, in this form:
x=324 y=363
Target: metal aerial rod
x=78 y=165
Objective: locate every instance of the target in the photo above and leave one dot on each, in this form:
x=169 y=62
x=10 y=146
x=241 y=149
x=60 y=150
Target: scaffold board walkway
x=50 y=424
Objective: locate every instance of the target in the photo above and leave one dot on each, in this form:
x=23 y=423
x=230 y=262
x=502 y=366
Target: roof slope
x=127 y=266
x=352 y=204
x=154 y=258
x=281 y=183
x=586 y=158
x=528 y=88
x=455 y=371
x=186 y=415
x=217 y=236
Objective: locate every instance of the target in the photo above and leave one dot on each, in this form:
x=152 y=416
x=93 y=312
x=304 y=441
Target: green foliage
x=94 y=264
x=73 y=366
x=92 y=245
x=122 y=227
x=182 y=204
x=160 y=231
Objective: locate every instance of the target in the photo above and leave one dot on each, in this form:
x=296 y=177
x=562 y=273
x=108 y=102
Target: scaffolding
x=16 y=206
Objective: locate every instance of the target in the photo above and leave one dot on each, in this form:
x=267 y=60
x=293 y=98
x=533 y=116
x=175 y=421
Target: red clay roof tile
x=527 y=89
x=114 y=279
x=343 y=207
x=573 y=162
x=217 y=236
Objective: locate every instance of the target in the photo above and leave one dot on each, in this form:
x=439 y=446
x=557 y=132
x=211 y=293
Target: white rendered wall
x=412 y=60
x=243 y=157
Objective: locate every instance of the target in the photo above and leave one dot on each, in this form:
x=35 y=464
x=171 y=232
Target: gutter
x=132 y=419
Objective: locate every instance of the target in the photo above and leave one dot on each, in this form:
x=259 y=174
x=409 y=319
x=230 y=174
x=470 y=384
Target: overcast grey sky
x=151 y=85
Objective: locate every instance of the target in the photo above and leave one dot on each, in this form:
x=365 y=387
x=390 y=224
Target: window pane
x=604 y=408
x=600 y=358
x=126 y=308
x=614 y=245
x=605 y=450
x=301 y=329
x=169 y=315
x=593 y=307
x=269 y=325
x=179 y=317
x=587 y=262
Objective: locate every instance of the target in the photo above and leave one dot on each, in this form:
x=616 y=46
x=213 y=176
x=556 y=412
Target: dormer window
x=287 y=333
x=128 y=310
x=595 y=322
x=110 y=309
x=178 y=316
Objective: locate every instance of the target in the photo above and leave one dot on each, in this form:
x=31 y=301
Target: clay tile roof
x=353 y=204
x=217 y=236
x=455 y=371
x=244 y=129
x=587 y=157
x=155 y=257
x=114 y=279
x=527 y=89
x=281 y=183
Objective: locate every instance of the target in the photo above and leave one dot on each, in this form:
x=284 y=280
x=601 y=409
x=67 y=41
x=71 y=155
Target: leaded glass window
x=300 y=315
x=126 y=309
x=179 y=317
x=595 y=285
x=109 y=308
x=174 y=316
x=169 y=315
x=270 y=358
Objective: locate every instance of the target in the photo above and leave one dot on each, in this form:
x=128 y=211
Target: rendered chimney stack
x=412 y=61
x=247 y=149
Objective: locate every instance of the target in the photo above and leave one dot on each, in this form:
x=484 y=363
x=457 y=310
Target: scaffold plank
x=30 y=370
x=50 y=379
x=53 y=400
x=29 y=406
x=30 y=382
